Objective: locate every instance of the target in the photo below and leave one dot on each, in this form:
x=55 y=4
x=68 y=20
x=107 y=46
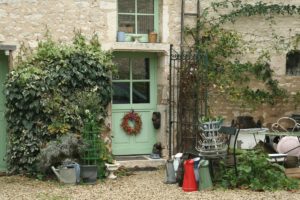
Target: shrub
x=45 y=95
x=257 y=173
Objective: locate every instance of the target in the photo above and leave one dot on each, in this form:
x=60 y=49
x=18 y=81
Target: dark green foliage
x=241 y=9
x=46 y=94
x=255 y=172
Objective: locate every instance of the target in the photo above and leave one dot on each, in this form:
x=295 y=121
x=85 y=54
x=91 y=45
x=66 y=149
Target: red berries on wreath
x=137 y=123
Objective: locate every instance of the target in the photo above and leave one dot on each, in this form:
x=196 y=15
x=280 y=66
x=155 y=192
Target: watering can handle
x=55 y=171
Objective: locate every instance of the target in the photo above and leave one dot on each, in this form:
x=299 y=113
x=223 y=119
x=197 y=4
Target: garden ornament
x=111 y=168
x=156 y=151
x=289 y=145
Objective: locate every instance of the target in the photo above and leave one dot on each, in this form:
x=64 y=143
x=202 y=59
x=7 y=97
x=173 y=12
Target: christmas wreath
x=137 y=123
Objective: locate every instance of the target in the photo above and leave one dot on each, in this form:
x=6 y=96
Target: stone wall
x=28 y=20
x=258 y=32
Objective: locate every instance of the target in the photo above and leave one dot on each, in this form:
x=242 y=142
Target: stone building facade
x=28 y=20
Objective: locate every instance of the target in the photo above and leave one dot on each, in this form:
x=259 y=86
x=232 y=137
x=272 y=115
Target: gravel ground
x=140 y=185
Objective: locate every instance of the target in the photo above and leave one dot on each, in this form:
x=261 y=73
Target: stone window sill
x=162 y=48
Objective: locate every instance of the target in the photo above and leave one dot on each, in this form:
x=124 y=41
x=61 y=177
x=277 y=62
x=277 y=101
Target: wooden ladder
x=184 y=15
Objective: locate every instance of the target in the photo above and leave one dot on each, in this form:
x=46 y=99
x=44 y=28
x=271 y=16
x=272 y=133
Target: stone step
x=140 y=162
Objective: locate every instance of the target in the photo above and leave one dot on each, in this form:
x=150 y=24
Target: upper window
x=137 y=17
x=293 y=63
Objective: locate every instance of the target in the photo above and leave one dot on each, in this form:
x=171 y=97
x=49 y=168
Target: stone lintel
x=7 y=47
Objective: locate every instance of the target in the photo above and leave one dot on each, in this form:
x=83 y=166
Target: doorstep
x=140 y=162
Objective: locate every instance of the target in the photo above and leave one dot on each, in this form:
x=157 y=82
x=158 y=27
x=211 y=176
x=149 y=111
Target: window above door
x=137 y=18
x=132 y=83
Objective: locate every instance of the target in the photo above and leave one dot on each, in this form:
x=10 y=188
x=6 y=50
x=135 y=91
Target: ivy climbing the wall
x=229 y=74
x=50 y=93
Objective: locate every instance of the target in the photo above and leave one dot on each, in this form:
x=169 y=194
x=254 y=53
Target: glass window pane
x=145 y=24
x=121 y=93
x=140 y=68
x=145 y=6
x=141 y=92
x=123 y=69
x=127 y=23
x=126 y=6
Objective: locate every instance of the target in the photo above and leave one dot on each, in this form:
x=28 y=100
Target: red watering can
x=189 y=180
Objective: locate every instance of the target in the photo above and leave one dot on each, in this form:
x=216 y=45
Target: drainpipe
x=170 y=103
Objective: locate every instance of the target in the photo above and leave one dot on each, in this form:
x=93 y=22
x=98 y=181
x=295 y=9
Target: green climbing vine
x=228 y=73
x=240 y=9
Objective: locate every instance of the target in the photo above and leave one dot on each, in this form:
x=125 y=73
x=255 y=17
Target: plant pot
x=88 y=173
x=152 y=37
x=121 y=36
x=291 y=162
x=111 y=168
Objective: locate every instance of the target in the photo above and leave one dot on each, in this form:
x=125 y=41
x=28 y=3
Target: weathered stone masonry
x=28 y=20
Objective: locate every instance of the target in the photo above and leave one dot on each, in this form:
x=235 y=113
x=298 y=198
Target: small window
x=132 y=84
x=137 y=18
x=293 y=63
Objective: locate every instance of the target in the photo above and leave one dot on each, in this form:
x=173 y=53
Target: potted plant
x=211 y=142
x=211 y=124
x=91 y=155
x=152 y=37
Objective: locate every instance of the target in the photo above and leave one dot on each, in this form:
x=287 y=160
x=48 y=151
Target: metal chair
x=230 y=132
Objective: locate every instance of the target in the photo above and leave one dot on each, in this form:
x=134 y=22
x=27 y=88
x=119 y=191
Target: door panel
x=3 y=73
x=134 y=90
x=121 y=138
x=142 y=143
x=148 y=132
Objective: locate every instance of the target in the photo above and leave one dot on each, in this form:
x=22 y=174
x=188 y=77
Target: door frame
x=4 y=62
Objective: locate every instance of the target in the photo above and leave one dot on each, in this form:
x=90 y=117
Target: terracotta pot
x=152 y=37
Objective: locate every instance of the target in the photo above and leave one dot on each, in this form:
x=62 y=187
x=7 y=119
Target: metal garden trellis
x=187 y=97
x=188 y=71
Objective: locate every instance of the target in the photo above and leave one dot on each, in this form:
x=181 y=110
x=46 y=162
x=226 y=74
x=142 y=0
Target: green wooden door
x=134 y=89
x=3 y=72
